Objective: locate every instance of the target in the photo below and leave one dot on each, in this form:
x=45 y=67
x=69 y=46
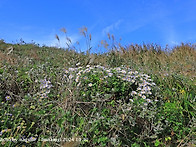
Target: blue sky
x=135 y=21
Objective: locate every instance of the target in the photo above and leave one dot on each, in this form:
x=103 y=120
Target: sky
x=162 y=22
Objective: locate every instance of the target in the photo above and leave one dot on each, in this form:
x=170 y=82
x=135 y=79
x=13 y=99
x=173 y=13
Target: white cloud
x=174 y=43
x=111 y=27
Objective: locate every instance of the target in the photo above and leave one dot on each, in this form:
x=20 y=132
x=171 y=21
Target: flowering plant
x=120 y=82
x=132 y=95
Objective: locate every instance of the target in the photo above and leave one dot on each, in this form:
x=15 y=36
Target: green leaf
x=102 y=139
x=1 y=71
x=59 y=122
x=156 y=143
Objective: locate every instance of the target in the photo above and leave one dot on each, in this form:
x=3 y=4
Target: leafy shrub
x=115 y=100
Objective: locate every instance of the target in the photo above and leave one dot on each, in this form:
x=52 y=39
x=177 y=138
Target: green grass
x=138 y=95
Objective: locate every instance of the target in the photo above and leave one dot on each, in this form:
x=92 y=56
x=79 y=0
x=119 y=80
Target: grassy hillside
x=138 y=95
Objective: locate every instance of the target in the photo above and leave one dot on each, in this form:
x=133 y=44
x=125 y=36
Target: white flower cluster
x=45 y=86
x=143 y=81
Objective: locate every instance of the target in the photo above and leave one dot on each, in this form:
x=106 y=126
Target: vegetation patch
x=129 y=96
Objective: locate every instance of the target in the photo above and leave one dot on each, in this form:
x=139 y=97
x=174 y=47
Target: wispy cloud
x=112 y=27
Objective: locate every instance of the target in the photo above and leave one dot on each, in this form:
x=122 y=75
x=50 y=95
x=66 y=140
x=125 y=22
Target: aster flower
x=136 y=72
x=110 y=74
x=77 y=79
x=139 y=88
x=71 y=69
x=143 y=96
x=128 y=79
x=133 y=93
x=78 y=64
x=145 y=104
x=148 y=88
x=148 y=100
x=118 y=68
x=66 y=71
x=3 y=131
x=123 y=71
x=45 y=84
x=14 y=105
x=108 y=70
x=131 y=100
x=85 y=78
x=32 y=139
x=130 y=72
x=149 y=92
x=139 y=94
x=133 y=81
x=7 y=98
x=71 y=76
x=141 y=79
x=124 y=79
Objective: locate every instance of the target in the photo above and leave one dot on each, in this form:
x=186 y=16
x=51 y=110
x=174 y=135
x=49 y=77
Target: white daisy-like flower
x=143 y=96
x=129 y=79
x=145 y=104
x=131 y=100
x=91 y=68
x=123 y=71
x=87 y=70
x=7 y=98
x=85 y=78
x=90 y=84
x=133 y=93
x=71 y=69
x=139 y=88
x=149 y=92
x=78 y=74
x=45 y=84
x=148 y=88
x=130 y=72
x=78 y=64
x=71 y=76
x=108 y=70
x=32 y=138
x=77 y=79
x=139 y=94
x=147 y=76
x=124 y=79
x=118 y=68
x=110 y=74
x=136 y=72
x=66 y=71
x=148 y=100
